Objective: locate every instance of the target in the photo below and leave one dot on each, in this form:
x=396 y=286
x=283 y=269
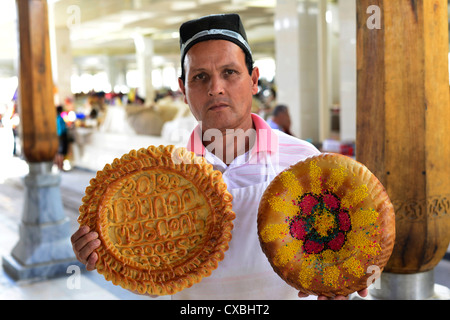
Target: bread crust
x=164 y=218
x=327 y=226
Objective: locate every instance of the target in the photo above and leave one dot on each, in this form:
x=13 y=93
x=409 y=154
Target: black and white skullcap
x=213 y=27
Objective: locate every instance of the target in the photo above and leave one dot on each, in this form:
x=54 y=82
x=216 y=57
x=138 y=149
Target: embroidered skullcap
x=213 y=27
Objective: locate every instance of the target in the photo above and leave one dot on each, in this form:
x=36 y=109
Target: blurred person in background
x=280 y=119
x=63 y=138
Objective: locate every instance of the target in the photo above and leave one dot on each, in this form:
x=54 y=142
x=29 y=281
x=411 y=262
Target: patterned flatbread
x=164 y=218
x=326 y=225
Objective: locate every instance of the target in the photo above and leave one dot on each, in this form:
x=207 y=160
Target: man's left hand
x=363 y=293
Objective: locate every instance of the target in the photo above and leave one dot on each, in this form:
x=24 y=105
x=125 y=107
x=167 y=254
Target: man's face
x=218 y=88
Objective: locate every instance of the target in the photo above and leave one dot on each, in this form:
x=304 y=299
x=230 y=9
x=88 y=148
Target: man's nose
x=216 y=86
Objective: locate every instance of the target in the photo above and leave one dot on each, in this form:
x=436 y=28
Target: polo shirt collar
x=266 y=139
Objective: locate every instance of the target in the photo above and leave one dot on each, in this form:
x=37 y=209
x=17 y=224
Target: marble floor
x=77 y=284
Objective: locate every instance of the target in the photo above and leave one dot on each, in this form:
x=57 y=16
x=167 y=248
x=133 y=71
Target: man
x=218 y=81
x=62 y=136
x=280 y=119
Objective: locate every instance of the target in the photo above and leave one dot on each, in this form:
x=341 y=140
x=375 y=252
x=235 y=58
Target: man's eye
x=200 y=76
x=230 y=72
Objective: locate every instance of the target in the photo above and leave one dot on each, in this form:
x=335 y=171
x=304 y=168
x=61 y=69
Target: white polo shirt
x=245 y=272
x=249 y=168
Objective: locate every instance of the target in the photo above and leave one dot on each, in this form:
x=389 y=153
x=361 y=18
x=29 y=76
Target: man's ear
x=182 y=88
x=255 y=78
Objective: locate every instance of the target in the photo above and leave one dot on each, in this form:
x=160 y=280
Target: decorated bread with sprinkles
x=326 y=225
x=164 y=218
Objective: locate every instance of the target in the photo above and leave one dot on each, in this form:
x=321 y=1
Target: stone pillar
x=144 y=56
x=297 y=65
x=44 y=249
x=402 y=132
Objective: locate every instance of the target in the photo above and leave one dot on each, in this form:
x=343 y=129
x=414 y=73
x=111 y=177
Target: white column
x=120 y=69
x=62 y=63
x=144 y=56
x=323 y=89
x=112 y=70
x=347 y=53
x=297 y=65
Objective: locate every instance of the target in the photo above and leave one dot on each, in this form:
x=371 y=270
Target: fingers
x=79 y=233
x=304 y=295
x=364 y=293
x=92 y=260
x=334 y=298
x=83 y=244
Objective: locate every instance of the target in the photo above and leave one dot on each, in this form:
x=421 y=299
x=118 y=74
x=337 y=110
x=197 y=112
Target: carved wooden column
x=44 y=248
x=38 y=114
x=403 y=117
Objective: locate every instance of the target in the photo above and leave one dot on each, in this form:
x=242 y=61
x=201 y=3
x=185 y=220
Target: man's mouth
x=218 y=107
x=218 y=104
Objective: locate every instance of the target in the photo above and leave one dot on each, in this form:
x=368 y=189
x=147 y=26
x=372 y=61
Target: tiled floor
x=88 y=285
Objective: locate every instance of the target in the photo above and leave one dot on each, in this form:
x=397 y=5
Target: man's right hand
x=84 y=243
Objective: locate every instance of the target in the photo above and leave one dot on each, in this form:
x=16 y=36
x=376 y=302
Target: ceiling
x=108 y=27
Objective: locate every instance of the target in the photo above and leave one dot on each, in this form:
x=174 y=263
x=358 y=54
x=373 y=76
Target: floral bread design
x=164 y=218
x=326 y=224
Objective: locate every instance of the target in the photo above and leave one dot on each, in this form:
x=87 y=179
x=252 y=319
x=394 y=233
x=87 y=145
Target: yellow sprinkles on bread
x=325 y=226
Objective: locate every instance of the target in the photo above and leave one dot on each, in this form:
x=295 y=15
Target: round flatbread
x=164 y=218
x=326 y=225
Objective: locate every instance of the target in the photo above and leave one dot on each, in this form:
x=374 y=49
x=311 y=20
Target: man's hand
x=363 y=293
x=83 y=244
